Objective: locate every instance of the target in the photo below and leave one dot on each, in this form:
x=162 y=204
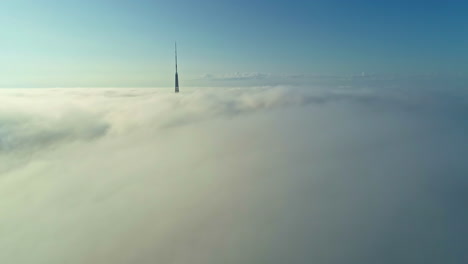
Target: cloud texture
x=238 y=175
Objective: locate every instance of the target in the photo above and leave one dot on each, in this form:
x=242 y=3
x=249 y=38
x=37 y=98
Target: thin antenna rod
x=176 y=74
x=176 y=56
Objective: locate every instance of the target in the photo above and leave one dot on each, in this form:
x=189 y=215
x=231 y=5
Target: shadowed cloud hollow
x=238 y=175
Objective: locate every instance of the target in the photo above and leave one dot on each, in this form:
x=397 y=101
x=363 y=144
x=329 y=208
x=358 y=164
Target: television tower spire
x=176 y=74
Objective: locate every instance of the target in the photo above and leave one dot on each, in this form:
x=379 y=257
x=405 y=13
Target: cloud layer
x=238 y=175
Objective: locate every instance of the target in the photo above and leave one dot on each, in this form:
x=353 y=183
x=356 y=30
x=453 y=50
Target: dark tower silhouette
x=176 y=75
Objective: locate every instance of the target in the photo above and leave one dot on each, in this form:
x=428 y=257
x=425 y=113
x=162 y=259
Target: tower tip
x=176 y=74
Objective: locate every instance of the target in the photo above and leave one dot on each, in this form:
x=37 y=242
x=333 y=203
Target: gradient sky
x=68 y=43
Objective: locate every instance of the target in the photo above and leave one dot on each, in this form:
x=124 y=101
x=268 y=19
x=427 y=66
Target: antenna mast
x=176 y=74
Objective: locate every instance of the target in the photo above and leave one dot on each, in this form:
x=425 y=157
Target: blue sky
x=68 y=43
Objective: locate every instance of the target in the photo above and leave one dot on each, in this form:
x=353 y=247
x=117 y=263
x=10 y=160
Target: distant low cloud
x=237 y=76
x=358 y=80
x=240 y=76
x=233 y=175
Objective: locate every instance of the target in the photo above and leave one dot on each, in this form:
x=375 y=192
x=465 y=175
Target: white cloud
x=240 y=175
x=238 y=76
